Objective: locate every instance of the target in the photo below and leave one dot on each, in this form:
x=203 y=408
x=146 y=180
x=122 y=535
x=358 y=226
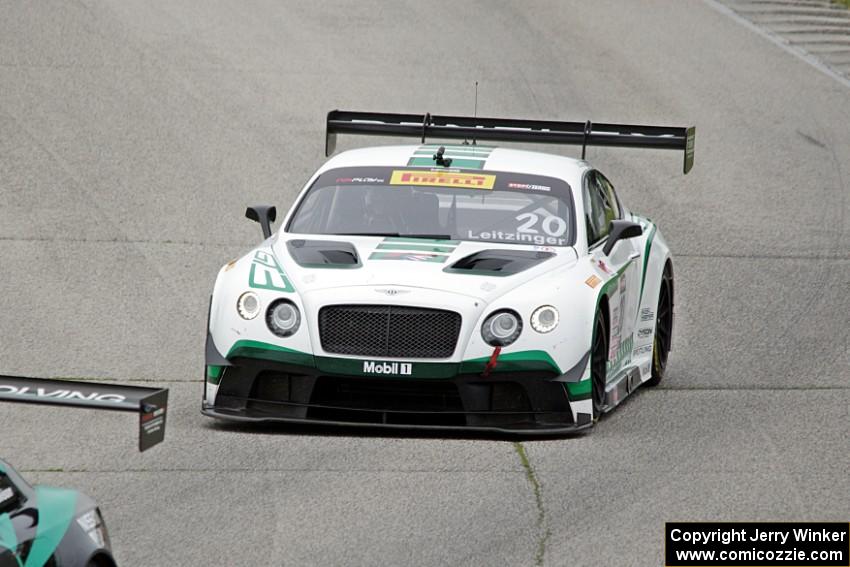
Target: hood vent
x=498 y=262
x=323 y=254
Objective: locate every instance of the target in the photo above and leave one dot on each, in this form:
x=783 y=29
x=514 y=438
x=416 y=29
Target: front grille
x=388 y=331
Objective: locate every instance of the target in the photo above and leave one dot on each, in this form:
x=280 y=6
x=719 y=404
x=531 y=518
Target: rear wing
x=509 y=130
x=149 y=403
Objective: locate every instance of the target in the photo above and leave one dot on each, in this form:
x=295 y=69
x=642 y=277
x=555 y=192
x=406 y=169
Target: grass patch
x=543 y=531
x=845 y=3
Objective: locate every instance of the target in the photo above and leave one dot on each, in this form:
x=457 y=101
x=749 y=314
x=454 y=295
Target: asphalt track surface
x=132 y=135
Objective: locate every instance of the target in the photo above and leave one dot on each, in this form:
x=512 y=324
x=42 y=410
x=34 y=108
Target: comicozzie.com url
x=757 y=544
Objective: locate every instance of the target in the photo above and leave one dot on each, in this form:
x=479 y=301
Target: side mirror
x=263 y=214
x=620 y=230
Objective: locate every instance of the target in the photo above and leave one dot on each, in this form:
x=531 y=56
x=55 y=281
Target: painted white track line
x=794 y=50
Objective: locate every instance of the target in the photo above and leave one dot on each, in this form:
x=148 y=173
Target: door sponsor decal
x=621 y=356
x=618 y=312
x=646 y=349
x=614 y=340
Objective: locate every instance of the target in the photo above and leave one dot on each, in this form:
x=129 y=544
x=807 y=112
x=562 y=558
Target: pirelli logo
x=443 y=179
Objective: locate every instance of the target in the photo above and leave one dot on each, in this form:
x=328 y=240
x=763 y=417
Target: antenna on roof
x=588 y=129
x=475 y=110
x=474 y=114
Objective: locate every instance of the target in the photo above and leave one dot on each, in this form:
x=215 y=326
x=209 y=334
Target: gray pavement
x=817 y=30
x=132 y=136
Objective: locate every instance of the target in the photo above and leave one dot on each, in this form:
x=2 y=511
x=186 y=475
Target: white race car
x=463 y=285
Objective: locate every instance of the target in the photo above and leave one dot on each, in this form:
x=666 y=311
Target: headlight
x=93 y=524
x=501 y=328
x=544 y=319
x=283 y=318
x=248 y=305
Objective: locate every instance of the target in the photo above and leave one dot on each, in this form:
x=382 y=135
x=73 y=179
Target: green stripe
x=268 y=271
x=463 y=147
x=603 y=292
x=646 y=261
x=456 y=162
x=450 y=152
x=331 y=266
x=402 y=256
x=354 y=367
x=459 y=156
x=527 y=360
x=579 y=390
x=421 y=240
x=266 y=351
x=513 y=362
x=214 y=374
x=416 y=247
x=611 y=283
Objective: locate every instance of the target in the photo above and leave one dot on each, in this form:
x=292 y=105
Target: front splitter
x=540 y=431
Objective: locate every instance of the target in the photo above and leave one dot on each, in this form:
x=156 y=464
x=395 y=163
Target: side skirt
x=617 y=390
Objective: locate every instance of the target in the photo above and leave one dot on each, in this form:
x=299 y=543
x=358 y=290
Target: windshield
x=438 y=203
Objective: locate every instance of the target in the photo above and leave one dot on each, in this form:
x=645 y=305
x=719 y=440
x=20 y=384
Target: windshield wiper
x=363 y=233
x=396 y=234
x=428 y=236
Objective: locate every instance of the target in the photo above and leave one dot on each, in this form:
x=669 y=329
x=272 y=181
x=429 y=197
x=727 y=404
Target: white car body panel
x=575 y=281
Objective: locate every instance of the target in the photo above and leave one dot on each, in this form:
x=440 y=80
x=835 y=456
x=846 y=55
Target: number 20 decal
x=551 y=225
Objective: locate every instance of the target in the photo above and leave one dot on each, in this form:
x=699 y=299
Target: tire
x=598 y=364
x=663 y=328
x=100 y=561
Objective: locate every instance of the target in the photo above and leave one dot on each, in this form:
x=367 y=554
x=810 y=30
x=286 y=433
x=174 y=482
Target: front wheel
x=598 y=364
x=663 y=328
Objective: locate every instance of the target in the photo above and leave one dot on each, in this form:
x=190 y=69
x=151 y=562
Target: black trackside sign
x=151 y=403
x=152 y=419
